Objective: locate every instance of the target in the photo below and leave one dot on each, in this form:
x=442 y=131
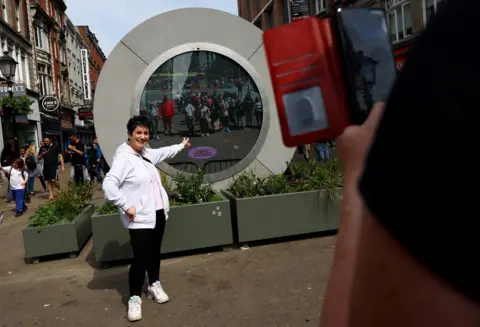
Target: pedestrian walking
x=50 y=158
x=31 y=163
x=77 y=149
x=167 y=111
x=133 y=184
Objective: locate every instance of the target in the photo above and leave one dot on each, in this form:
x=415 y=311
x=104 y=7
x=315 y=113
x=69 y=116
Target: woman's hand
x=131 y=213
x=186 y=142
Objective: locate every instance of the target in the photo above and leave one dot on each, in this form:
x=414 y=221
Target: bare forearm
x=375 y=282
x=335 y=312
x=62 y=163
x=384 y=267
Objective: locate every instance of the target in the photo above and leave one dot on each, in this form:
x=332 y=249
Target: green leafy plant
x=70 y=202
x=16 y=105
x=107 y=208
x=189 y=189
x=298 y=177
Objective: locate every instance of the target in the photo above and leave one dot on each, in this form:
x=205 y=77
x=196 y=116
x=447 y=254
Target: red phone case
x=300 y=56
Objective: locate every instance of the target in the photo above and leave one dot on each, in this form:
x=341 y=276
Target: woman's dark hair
x=135 y=121
x=20 y=163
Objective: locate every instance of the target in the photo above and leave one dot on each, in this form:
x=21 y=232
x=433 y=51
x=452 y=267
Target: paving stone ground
x=279 y=284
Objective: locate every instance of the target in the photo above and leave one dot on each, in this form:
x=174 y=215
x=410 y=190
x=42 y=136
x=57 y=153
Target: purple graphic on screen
x=202 y=152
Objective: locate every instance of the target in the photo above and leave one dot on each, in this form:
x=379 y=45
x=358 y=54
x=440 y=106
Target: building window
x=45 y=79
x=257 y=6
x=270 y=17
x=17 y=15
x=38 y=37
x=399 y=19
x=320 y=6
x=5 y=10
x=47 y=6
x=430 y=7
x=286 y=11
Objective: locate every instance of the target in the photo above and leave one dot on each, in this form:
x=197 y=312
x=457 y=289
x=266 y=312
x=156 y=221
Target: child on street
x=17 y=178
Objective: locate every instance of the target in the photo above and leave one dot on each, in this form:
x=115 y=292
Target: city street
x=224 y=148
x=267 y=285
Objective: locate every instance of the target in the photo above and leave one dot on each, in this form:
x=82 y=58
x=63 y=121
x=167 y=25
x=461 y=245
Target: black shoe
x=18 y=214
x=25 y=208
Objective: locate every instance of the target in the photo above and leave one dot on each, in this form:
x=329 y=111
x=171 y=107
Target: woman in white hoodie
x=133 y=184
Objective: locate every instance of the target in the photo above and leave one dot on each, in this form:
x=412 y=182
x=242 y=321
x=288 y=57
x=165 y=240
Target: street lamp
x=8 y=66
x=368 y=76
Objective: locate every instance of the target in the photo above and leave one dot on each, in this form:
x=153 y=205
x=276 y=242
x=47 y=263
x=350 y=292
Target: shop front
x=50 y=127
x=401 y=55
x=68 y=118
x=27 y=127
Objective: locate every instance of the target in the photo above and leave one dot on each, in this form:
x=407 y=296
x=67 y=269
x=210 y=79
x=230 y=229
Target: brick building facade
x=49 y=42
x=406 y=18
x=15 y=39
x=97 y=57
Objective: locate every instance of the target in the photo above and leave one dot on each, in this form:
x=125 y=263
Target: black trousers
x=78 y=173
x=146 y=246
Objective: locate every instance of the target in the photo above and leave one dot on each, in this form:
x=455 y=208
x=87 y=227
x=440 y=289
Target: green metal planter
x=58 y=239
x=274 y=216
x=189 y=227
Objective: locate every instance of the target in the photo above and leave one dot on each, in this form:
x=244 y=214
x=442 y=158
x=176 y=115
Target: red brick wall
x=95 y=56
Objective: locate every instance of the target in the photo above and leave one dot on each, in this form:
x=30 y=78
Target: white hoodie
x=129 y=183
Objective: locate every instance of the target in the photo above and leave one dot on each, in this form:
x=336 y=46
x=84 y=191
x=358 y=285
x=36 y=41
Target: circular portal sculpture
x=163 y=65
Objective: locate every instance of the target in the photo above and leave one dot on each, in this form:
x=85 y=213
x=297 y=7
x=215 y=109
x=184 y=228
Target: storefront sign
x=67 y=124
x=50 y=103
x=400 y=65
x=299 y=9
x=401 y=55
x=21 y=119
x=202 y=152
x=87 y=92
x=17 y=89
x=85 y=113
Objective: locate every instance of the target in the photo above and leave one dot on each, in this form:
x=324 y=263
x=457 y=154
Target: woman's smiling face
x=139 y=138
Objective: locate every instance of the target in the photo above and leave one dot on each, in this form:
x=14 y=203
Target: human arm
x=370 y=264
x=98 y=153
x=117 y=175
x=166 y=152
x=73 y=148
x=25 y=180
x=62 y=162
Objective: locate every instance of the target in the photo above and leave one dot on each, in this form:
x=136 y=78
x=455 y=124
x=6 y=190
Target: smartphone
x=327 y=73
x=367 y=58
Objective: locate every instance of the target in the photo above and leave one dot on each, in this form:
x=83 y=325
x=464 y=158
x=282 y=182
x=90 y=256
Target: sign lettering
x=50 y=103
x=17 y=89
x=87 y=93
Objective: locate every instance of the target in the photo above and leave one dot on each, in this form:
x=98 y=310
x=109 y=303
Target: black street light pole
x=8 y=65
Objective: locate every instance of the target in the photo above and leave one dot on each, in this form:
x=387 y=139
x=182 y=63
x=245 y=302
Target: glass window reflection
x=210 y=98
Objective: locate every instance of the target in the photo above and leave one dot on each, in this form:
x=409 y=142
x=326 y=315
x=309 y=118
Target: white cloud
x=111 y=20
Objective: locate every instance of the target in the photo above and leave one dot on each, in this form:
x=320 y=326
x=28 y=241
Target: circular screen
x=209 y=98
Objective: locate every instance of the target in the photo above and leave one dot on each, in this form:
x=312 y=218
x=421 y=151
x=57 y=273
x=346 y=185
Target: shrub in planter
x=71 y=200
x=107 y=208
x=62 y=226
x=198 y=218
x=189 y=189
x=304 y=199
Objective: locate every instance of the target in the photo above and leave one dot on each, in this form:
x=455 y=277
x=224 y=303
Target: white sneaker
x=134 y=308
x=155 y=292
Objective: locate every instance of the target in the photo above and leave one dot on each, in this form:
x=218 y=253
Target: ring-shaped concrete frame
x=145 y=48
